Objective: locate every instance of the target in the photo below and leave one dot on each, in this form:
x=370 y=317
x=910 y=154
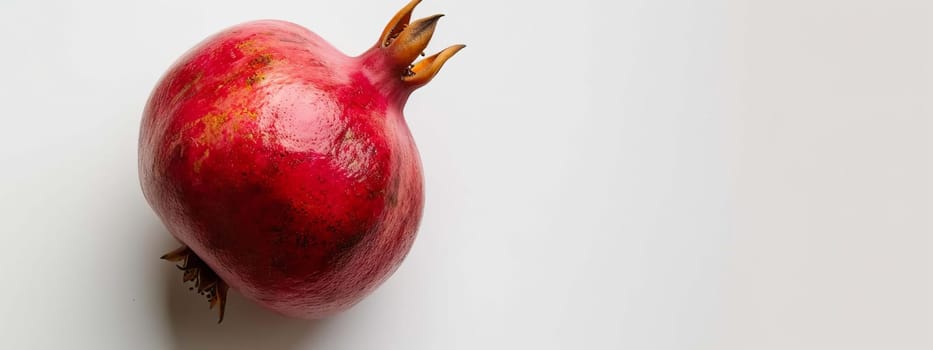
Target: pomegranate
x=286 y=168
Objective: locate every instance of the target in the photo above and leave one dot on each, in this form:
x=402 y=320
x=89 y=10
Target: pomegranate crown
x=403 y=41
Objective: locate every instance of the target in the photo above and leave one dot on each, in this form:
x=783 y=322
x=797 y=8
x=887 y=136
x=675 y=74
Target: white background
x=600 y=175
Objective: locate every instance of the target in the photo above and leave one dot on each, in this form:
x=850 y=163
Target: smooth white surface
x=600 y=175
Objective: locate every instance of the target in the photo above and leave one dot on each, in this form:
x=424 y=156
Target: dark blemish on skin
x=253 y=79
x=393 y=190
x=261 y=60
x=346 y=245
x=301 y=241
x=278 y=240
x=278 y=263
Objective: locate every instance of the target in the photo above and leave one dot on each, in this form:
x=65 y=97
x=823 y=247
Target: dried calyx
x=403 y=42
x=205 y=280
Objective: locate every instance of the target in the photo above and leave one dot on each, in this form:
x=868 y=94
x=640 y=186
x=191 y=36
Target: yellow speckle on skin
x=220 y=126
x=200 y=161
x=213 y=124
x=242 y=116
x=248 y=47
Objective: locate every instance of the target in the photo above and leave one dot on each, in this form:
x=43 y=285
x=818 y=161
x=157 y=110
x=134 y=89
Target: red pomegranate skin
x=286 y=166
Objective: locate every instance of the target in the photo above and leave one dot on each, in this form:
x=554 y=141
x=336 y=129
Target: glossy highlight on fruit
x=285 y=168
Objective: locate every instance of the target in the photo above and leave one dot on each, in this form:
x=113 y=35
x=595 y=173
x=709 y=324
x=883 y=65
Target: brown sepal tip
x=206 y=282
x=404 y=42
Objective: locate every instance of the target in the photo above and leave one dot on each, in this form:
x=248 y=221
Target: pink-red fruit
x=285 y=167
